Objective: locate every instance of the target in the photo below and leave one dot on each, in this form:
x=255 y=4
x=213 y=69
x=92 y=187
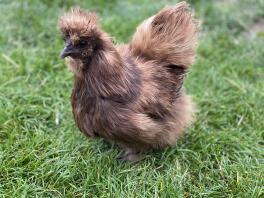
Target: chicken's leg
x=131 y=155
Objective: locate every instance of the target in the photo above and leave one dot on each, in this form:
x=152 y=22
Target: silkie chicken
x=131 y=95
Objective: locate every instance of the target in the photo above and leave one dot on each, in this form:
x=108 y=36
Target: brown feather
x=132 y=94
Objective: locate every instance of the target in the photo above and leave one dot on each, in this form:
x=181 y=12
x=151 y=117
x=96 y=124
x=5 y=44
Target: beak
x=69 y=50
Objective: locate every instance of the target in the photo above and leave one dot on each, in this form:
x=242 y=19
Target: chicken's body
x=132 y=94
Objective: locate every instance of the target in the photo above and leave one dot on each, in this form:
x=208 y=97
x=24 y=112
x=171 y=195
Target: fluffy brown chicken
x=131 y=94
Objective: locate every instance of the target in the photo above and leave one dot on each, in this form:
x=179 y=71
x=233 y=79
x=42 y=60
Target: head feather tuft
x=78 y=22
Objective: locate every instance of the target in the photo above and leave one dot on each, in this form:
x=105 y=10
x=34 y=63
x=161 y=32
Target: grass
x=42 y=154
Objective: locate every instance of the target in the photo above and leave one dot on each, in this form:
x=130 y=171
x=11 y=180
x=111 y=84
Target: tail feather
x=168 y=37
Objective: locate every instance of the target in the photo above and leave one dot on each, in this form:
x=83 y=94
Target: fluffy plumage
x=131 y=94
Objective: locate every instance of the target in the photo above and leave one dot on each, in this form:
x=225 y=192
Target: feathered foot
x=129 y=155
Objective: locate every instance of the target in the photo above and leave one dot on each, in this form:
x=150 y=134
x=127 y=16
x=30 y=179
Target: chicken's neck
x=108 y=76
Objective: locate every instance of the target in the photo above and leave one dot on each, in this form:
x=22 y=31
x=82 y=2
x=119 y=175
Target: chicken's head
x=81 y=34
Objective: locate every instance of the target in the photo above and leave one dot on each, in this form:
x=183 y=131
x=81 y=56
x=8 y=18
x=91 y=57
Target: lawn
x=42 y=153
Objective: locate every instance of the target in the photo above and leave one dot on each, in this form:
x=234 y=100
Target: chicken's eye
x=82 y=43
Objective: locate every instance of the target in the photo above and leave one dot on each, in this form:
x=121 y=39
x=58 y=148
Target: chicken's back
x=163 y=49
x=169 y=37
